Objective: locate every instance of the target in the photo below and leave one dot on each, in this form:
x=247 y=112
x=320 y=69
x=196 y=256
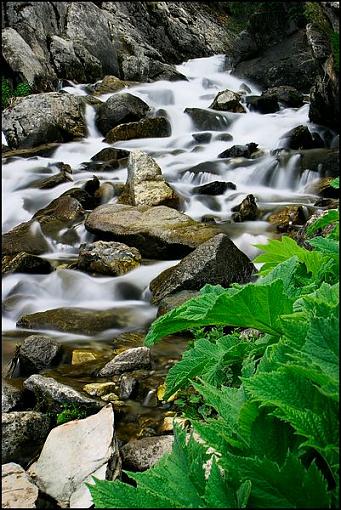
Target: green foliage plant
x=70 y=412
x=271 y=419
x=7 y=93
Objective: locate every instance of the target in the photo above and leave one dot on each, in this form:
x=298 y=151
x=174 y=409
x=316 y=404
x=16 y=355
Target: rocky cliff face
x=84 y=41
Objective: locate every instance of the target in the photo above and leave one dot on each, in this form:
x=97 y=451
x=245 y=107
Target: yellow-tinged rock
x=80 y=356
x=99 y=389
x=110 y=397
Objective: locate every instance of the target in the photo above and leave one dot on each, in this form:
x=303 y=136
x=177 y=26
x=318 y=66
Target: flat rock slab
x=217 y=261
x=72 y=452
x=77 y=320
x=141 y=454
x=158 y=232
x=18 y=491
x=53 y=393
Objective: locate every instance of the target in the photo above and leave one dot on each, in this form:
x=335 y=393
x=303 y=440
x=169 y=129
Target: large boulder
x=38 y=352
x=23 y=433
x=72 y=454
x=108 y=257
x=157 y=232
x=145 y=183
x=227 y=101
x=18 y=490
x=217 y=261
x=131 y=359
x=44 y=118
x=286 y=95
x=154 y=127
x=119 y=109
x=52 y=394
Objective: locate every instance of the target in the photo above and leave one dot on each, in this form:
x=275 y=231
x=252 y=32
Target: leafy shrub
x=22 y=89
x=274 y=400
x=70 y=412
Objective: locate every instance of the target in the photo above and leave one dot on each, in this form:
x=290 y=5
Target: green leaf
x=335 y=183
x=330 y=217
x=218 y=494
x=326 y=245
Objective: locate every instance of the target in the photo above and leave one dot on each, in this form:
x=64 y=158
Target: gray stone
x=43 y=118
x=146 y=69
x=247 y=210
x=72 y=453
x=25 y=263
x=239 y=151
x=11 y=397
x=155 y=127
x=142 y=454
x=110 y=154
x=18 y=491
x=227 y=101
x=128 y=385
x=131 y=359
x=108 y=257
x=37 y=353
x=173 y=300
x=217 y=261
x=206 y=120
x=145 y=183
x=157 y=232
x=118 y=109
x=54 y=394
x=23 y=433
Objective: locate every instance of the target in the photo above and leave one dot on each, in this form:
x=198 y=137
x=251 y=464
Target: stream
x=185 y=163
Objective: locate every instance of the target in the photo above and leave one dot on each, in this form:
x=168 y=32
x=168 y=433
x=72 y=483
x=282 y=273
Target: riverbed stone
x=239 y=151
x=110 y=84
x=118 y=109
x=145 y=69
x=218 y=261
x=25 y=263
x=18 y=490
x=78 y=320
x=23 y=433
x=213 y=188
x=288 y=96
x=324 y=161
x=108 y=257
x=52 y=181
x=26 y=237
x=110 y=154
x=52 y=394
x=300 y=138
x=152 y=127
x=12 y=397
x=131 y=359
x=227 y=101
x=73 y=452
x=40 y=150
x=43 y=118
x=99 y=389
x=262 y=104
x=128 y=385
x=38 y=352
x=247 y=210
x=287 y=216
x=142 y=454
x=323 y=188
x=157 y=232
x=206 y=120
x=145 y=183
x=80 y=356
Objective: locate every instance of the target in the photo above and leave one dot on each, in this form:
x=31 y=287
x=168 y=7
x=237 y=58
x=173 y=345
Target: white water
x=270 y=183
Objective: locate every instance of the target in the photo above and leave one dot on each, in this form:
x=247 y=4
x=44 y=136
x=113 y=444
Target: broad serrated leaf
x=218 y=493
x=330 y=217
x=326 y=245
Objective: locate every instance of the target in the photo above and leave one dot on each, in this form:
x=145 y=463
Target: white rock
x=18 y=491
x=73 y=452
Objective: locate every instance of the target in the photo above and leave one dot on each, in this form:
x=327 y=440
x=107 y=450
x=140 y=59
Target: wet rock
x=239 y=151
x=110 y=154
x=288 y=216
x=141 y=454
x=119 y=109
x=26 y=237
x=227 y=101
x=52 y=181
x=217 y=261
x=108 y=85
x=206 y=120
x=288 y=96
x=173 y=300
x=145 y=183
x=53 y=394
x=108 y=257
x=262 y=104
x=80 y=356
x=43 y=118
x=107 y=191
x=202 y=137
x=327 y=203
x=146 y=69
x=37 y=353
x=300 y=138
x=131 y=359
x=223 y=137
x=129 y=339
x=25 y=263
x=214 y=188
x=99 y=389
x=87 y=200
x=94 y=167
x=323 y=188
x=72 y=453
x=128 y=385
x=246 y=211
x=324 y=161
x=23 y=433
x=41 y=150
x=157 y=232
x=154 y=127
x=18 y=491
x=77 y=320
x=12 y=397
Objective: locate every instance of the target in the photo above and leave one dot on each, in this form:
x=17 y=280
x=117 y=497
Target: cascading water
x=185 y=164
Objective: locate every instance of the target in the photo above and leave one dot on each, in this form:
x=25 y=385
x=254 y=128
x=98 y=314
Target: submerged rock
x=157 y=232
x=99 y=389
x=217 y=261
x=131 y=359
x=227 y=101
x=23 y=433
x=288 y=216
x=25 y=263
x=118 y=109
x=153 y=127
x=145 y=183
x=246 y=211
x=44 y=118
x=108 y=257
x=37 y=353
x=72 y=454
x=142 y=454
x=18 y=490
